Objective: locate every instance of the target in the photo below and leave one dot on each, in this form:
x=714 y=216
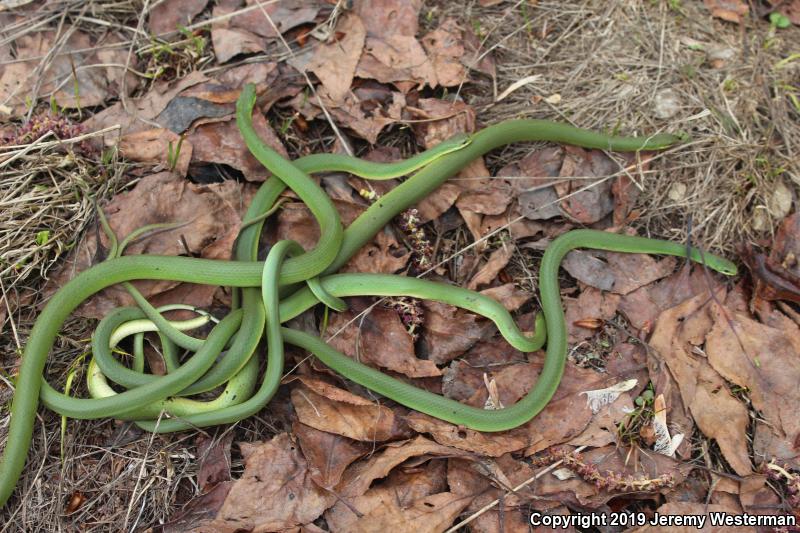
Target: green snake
x=290 y=282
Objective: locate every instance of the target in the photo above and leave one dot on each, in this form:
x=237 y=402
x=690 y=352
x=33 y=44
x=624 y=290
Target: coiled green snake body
x=271 y=294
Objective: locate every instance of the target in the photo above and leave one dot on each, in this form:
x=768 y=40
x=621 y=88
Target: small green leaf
x=42 y=237
x=779 y=20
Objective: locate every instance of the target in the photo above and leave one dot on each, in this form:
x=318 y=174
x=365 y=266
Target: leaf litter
x=713 y=364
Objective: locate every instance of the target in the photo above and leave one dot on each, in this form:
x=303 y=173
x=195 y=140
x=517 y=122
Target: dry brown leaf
x=359 y=477
x=363 y=421
x=565 y=417
x=378 y=337
x=400 y=498
x=221 y=142
x=435 y=204
x=284 y=16
x=730 y=10
x=384 y=255
x=449 y=331
x=94 y=85
x=445 y=49
x=214 y=457
x=481 y=480
x=335 y=62
x=590 y=304
x=497 y=262
x=440 y=120
x=397 y=59
x=211 y=213
x=584 y=200
x=618 y=272
x=140 y=110
x=723 y=418
x=166 y=16
x=328 y=455
x=487 y=196
x=703 y=391
x=509 y=295
x=366 y=109
x=276 y=490
x=251 y=31
x=157 y=146
x=229 y=43
x=643 y=305
x=389 y=17
x=197 y=516
x=763 y=359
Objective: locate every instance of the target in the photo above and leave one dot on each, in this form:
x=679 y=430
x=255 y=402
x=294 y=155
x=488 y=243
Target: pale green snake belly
x=263 y=311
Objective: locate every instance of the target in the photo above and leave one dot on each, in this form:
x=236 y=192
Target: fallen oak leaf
x=342 y=413
x=335 y=62
x=276 y=490
x=379 y=338
x=328 y=454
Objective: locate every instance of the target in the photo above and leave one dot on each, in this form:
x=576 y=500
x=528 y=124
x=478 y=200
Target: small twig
x=519 y=487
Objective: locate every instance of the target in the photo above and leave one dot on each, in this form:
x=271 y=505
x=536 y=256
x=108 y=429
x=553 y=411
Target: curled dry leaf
x=405 y=498
x=497 y=262
x=359 y=477
x=445 y=49
x=509 y=295
x=383 y=255
x=588 y=312
x=582 y=199
x=346 y=414
x=642 y=306
x=777 y=275
x=276 y=490
x=405 y=502
x=397 y=59
x=378 y=337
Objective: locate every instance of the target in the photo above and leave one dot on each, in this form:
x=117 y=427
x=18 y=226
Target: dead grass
x=609 y=64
